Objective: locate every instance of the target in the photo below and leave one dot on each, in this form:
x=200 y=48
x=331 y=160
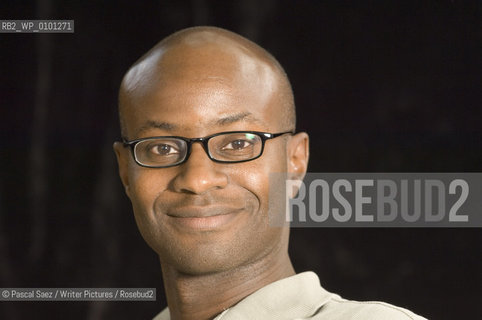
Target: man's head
x=203 y=216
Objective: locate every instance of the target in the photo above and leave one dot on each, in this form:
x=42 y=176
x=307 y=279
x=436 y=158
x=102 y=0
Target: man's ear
x=122 y=154
x=298 y=154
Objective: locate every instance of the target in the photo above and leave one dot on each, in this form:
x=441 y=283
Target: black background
x=380 y=86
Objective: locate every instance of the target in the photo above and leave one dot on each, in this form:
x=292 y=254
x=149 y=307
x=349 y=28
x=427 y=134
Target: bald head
x=211 y=57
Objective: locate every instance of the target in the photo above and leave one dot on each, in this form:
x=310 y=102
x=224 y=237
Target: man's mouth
x=203 y=217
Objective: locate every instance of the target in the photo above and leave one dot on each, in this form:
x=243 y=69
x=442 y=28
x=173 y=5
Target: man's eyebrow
x=151 y=124
x=243 y=116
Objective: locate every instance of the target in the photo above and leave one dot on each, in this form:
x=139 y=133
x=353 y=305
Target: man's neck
x=204 y=297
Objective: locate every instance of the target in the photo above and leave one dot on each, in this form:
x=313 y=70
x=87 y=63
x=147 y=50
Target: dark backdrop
x=381 y=86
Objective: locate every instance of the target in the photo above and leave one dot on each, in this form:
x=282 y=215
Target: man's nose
x=199 y=173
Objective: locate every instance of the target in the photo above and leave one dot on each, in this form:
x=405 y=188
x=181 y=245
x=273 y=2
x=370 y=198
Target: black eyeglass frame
x=204 y=141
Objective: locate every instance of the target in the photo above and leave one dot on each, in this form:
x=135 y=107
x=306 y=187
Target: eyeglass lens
x=230 y=147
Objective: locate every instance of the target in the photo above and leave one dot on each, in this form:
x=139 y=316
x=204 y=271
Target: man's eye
x=237 y=145
x=163 y=149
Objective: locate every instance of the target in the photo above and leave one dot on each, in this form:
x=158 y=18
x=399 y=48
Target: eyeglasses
x=224 y=147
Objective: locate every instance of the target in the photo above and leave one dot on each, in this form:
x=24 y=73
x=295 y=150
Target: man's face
x=203 y=216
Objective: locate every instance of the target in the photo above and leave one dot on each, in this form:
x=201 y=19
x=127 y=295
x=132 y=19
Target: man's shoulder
x=339 y=308
x=333 y=307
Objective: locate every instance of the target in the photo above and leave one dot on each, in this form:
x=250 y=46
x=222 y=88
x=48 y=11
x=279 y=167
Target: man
x=206 y=116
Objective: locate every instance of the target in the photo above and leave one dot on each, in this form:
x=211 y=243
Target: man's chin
x=197 y=266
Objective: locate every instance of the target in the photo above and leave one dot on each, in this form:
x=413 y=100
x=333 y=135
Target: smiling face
x=202 y=216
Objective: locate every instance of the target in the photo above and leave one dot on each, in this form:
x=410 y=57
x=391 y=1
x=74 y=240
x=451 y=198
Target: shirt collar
x=298 y=296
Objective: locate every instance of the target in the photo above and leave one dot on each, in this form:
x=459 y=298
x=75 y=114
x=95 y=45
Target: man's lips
x=200 y=211
x=203 y=217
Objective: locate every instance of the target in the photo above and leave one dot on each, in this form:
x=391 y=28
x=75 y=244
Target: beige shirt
x=302 y=297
